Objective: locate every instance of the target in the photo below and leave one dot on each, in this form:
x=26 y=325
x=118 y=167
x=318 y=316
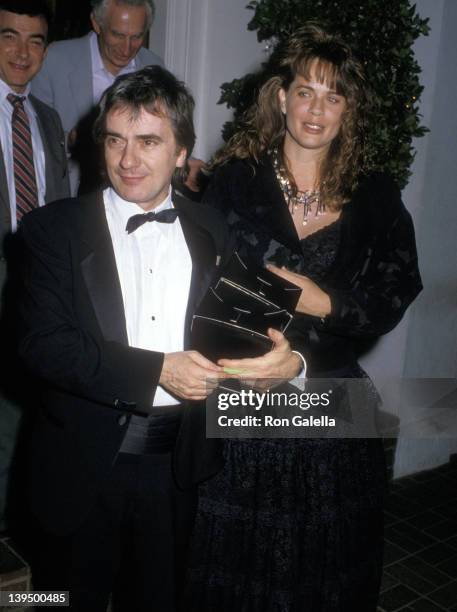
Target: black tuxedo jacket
x=74 y=340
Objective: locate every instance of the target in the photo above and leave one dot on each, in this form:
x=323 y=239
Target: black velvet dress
x=291 y=525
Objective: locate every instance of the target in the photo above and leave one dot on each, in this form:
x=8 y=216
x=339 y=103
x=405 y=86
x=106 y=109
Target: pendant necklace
x=295 y=198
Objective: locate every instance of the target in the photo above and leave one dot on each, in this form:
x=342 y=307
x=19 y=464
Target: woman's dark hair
x=263 y=129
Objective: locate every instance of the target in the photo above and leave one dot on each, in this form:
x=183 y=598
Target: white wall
x=206 y=43
x=158 y=32
x=431 y=343
x=434 y=322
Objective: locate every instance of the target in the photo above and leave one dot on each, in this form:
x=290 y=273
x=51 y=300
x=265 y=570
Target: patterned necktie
x=164 y=216
x=24 y=169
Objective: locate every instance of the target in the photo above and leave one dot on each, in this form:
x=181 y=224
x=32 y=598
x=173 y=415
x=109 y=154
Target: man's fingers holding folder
x=189 y=375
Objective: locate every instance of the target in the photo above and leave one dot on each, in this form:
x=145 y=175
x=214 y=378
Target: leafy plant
x=381 y=34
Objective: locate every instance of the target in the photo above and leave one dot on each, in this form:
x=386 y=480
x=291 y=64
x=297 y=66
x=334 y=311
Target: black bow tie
x=164 y=216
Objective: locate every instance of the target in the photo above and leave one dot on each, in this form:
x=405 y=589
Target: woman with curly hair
x=296 y=525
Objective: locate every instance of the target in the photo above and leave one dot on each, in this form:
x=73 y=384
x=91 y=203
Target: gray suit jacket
x=65 y=79
x=57 y=183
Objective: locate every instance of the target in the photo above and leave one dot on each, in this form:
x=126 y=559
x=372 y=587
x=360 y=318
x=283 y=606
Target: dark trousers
x=133 y=543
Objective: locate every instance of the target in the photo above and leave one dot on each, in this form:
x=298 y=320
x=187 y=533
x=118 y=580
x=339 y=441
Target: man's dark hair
x=31 y=8
x=157 y=91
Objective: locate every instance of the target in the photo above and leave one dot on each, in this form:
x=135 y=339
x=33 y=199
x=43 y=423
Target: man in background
x=33 y=171
x=33 y=167
x=76 y=72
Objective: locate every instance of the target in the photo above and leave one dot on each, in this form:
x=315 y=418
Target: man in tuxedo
x=33 y=171
x=77 y=71
x=110 y=284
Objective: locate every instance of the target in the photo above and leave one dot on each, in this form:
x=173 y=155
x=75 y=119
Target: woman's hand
x=279 y=364
x=313 y=301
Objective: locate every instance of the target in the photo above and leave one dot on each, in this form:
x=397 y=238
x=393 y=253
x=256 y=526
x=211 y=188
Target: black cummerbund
x=153 y=434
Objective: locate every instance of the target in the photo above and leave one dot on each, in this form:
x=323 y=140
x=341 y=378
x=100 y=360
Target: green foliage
x=381 y=33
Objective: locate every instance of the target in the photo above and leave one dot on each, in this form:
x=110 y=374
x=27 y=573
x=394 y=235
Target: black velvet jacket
x=373 y=279
x=74 y=340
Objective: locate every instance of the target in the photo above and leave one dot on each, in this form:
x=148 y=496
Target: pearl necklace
x=295 y=198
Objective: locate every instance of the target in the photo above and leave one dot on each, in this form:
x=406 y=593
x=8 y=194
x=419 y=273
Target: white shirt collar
x=123 y=209
x=5 y=89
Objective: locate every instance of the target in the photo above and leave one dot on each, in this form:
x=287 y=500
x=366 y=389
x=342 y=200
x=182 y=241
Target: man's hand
x=313 y=300
x=195 y=165
x=189 y=375
x=273 y=368
x=72 y=137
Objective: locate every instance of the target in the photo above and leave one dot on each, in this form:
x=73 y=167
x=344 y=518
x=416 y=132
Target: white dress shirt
x=101 y=77
x=154 y=267
x=6 y=142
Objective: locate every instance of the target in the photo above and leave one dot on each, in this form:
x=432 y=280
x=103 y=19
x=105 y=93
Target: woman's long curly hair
x=263 y=127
